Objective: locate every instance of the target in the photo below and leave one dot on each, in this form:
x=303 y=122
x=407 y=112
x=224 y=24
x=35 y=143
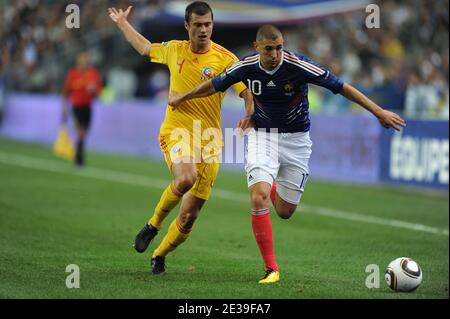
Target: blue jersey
x=281 y=95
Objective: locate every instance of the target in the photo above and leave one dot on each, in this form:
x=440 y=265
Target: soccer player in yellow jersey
x=190 y=63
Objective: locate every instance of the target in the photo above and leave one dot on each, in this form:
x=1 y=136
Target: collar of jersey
x=190 y=48
x=274 y=70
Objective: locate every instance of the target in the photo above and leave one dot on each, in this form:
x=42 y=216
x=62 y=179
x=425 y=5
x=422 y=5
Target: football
x=403 y=274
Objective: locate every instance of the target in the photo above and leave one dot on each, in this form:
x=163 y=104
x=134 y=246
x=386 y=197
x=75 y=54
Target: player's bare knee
x=185 y=182
x=260 y=199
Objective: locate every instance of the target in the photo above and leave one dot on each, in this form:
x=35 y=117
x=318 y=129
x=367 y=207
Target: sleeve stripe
x=247 y=60
x=304 y=63
x=251 y=58
x=312 y=66
x=241 y=64
x=303 y=67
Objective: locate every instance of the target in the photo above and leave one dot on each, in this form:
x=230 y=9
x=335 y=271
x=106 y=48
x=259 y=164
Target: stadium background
x=387 y=190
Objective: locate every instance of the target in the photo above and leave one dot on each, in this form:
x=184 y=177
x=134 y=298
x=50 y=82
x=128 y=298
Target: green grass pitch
x=53 y=215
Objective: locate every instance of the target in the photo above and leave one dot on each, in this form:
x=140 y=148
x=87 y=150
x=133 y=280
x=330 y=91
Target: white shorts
x=282 y=157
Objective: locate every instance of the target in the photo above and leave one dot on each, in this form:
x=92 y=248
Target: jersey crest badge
x=208 y=73
x=289 y=89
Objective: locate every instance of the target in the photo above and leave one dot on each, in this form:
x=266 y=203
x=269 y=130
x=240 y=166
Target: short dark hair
x=269 y=32
x=198 y=7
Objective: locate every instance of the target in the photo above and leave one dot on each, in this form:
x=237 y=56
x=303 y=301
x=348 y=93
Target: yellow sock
x=175 y=236
x=169 y=199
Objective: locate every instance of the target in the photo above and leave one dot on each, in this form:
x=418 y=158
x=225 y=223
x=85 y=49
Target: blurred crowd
x=403 y=65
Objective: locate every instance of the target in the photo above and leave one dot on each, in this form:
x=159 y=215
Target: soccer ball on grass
x=403 y=274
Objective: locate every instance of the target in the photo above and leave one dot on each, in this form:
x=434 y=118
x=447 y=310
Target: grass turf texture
x=50 y=219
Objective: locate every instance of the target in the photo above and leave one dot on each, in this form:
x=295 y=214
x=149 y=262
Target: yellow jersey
x=188 y=70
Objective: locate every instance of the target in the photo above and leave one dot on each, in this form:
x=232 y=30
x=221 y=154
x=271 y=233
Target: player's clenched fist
x=174 y=99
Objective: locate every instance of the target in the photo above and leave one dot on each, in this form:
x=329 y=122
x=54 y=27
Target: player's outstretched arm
x=137 y=41
x=202 y=90
x=386 y=118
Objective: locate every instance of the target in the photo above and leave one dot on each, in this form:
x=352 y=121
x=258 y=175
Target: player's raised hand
x=119 y=16
x=174 y=99
x=390 y=119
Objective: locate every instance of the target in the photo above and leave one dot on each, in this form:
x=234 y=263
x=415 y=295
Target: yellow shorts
x=207 y=170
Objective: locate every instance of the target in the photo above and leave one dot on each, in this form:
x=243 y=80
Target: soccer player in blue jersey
x=279 y=146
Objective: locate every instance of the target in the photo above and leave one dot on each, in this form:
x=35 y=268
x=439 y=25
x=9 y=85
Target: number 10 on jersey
x=254 y=86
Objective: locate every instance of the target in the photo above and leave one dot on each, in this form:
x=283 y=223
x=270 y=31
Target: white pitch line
x=136 y=180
